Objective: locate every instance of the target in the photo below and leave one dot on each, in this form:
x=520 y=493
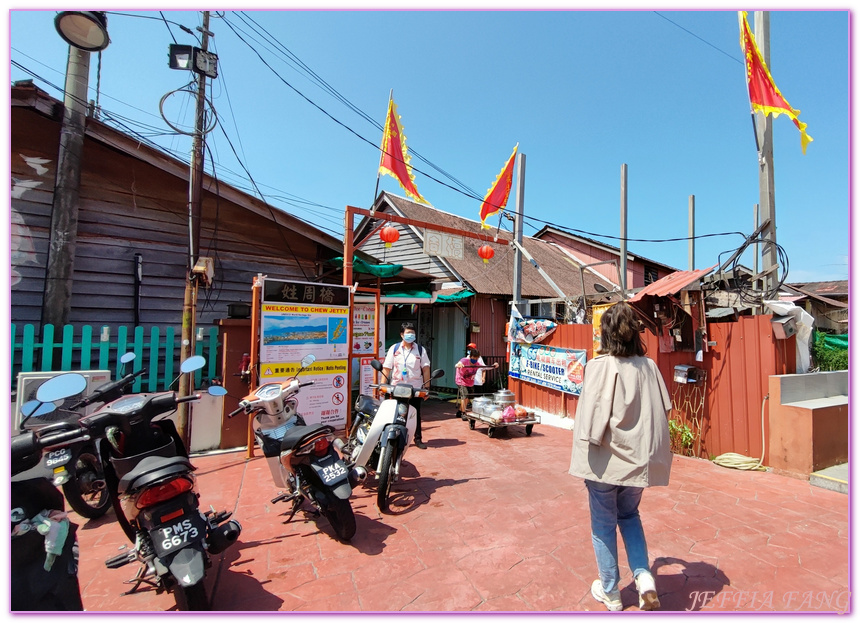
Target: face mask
x=409 y=338
x=473 y=361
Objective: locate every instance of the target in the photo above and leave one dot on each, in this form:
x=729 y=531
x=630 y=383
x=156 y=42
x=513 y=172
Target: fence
x=158 y=353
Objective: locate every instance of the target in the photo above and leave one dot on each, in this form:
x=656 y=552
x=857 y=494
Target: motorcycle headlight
x=402 y=409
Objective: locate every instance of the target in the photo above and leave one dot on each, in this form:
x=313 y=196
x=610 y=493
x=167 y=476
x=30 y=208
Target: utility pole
x=764 y=129
x=691 y=246
x=518 y=228
x=623 y=263
x=59 y=273
x=195 y=200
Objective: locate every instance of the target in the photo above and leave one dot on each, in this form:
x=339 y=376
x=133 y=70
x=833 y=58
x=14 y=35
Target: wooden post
x=766 y=173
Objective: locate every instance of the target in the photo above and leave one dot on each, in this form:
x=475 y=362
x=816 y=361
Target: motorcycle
x=382 y=431
x=154 y=494
x=43 y=556
x=77 y=468
x=302 y=459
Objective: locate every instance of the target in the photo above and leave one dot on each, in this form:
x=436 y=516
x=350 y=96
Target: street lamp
x=85 y=30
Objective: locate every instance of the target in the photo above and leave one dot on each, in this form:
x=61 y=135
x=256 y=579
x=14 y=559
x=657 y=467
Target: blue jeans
x=611 y=506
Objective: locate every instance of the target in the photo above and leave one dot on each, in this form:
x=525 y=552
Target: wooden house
x=446 y=326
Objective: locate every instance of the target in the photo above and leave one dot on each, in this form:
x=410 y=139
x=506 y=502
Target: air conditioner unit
x=28 y=385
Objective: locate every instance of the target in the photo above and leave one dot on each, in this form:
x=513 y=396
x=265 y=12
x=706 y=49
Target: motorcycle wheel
x=386 y=475
x=341 y=518
x=80 y=493
x=191 y=598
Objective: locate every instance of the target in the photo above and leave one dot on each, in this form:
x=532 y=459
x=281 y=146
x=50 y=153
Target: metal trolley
x=473 y=417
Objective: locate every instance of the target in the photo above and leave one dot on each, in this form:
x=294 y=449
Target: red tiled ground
x=497 y=525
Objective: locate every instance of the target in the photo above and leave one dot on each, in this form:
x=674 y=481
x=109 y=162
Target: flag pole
x=381 y=154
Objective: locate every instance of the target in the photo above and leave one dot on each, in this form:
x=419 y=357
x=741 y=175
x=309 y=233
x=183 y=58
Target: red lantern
x=486 y=253
x=389 y=235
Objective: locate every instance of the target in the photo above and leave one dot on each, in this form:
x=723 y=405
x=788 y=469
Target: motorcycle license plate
x=330 y=470
x=57 y=458
x=182 y=531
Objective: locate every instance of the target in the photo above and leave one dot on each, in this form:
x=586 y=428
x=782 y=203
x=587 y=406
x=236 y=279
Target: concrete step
x=833 y=478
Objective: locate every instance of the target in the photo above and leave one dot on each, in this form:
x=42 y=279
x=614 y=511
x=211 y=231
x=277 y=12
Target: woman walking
x=621 y=446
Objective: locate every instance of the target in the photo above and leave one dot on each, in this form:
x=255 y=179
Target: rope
x=739 y=461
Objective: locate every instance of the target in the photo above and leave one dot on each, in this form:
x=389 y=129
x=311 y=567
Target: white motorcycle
x=382 y=431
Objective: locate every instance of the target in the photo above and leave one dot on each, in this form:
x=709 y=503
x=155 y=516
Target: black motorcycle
x=43 y=560
x=154 y=494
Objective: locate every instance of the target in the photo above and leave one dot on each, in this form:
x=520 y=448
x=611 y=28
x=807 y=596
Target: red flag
x=764 y=96
x=497 y=196
x=395 y=158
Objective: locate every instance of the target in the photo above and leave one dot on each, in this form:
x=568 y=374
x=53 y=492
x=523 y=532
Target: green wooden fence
x=158 y=353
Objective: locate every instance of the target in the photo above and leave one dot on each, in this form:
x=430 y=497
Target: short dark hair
x=474 y=353
x=407 y=325
x=619 y=332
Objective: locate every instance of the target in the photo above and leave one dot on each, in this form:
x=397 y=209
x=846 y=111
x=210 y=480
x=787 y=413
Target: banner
x=301 y=319
x=562 y=369
x=597 y=312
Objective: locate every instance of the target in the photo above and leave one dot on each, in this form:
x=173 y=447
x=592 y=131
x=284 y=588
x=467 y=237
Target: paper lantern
x=486 y=253
x=389 y=235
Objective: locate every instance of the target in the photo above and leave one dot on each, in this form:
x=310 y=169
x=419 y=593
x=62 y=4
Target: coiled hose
x=734 y=460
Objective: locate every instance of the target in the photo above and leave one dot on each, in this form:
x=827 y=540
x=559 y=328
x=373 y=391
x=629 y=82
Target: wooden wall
x=129 y=207
x=738 y=367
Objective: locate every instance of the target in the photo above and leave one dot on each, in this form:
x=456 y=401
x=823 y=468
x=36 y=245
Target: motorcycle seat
x=297 y=434
x=152 y=469
x=367 y=405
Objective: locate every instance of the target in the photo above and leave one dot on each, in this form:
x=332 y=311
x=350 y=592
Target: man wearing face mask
x=410 y=364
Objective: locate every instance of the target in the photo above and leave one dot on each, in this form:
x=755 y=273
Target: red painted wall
x=737 y=367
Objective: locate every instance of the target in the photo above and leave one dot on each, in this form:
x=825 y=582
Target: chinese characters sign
x=559 y=368
x=301 y=319
x=443 y=245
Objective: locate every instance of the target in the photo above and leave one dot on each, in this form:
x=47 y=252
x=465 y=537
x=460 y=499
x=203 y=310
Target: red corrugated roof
x=672 y=283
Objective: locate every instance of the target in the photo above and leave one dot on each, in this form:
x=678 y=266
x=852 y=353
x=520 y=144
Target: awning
x=377 y=270
x=456 y=296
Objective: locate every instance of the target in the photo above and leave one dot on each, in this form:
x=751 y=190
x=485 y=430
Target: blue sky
x=582 y=92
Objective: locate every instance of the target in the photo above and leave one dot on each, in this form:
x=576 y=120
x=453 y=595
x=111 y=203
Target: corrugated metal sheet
x=670 y=284
x=738 y=367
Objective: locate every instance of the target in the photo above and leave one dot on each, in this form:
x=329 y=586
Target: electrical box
x=686 y=374
x=783 y=327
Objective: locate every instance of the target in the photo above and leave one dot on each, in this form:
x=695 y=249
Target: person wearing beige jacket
x=620 y=446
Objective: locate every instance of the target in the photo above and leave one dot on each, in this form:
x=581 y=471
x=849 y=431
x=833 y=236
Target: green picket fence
x=158 y=352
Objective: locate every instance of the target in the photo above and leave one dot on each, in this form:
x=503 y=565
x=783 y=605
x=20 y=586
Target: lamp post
x=85 y=32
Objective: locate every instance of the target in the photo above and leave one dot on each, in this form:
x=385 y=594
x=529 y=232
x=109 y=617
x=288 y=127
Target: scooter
x=383 y=430
x=303 y=459
x=77 y=468
x=154 y=494
x=43 y=555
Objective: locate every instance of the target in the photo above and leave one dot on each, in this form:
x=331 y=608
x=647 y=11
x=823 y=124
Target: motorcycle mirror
x=34 y=408
x=192 y=364
x=61 y=386
x=127 y=357
x=437 y=373
x=308 y=360
x=376 y=365
x=217 y=390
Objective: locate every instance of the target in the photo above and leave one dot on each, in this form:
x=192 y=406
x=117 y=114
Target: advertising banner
x=597 y=312
x=299 y=319
x=558 y=368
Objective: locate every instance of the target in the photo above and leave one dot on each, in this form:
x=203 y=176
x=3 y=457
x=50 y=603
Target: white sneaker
x=647 y=589
x=612 y=601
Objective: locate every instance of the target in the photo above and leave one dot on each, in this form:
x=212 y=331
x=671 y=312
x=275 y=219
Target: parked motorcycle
x=383 y=430
x=154 y=494
x=77 y=468
x=302 y=458
x=43 y=555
